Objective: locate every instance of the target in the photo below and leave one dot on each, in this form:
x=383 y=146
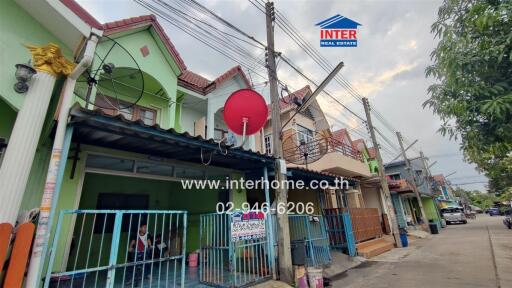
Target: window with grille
x=127 y=113
x=135 y=112
x=304 y=135
x=268 y=144
x=219 y=134
x=148 y=116
x=395 y=176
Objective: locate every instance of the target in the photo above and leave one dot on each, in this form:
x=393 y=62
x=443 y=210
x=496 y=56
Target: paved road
x=478 y=254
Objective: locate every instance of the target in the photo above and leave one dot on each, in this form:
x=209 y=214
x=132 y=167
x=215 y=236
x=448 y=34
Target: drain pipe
x=56 y=171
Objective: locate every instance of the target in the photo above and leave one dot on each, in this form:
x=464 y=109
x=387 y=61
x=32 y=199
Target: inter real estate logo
x=338 y=31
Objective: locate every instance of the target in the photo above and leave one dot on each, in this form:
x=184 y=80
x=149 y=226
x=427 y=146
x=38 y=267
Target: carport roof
x=94 y=127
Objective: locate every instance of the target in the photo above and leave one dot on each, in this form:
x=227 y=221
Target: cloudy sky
x=394 y=43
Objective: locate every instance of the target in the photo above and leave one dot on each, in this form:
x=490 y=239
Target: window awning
x=93 y=127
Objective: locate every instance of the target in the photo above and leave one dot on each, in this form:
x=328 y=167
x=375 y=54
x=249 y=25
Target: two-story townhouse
x=401 y=185
x=122 y=168
x=313 y=151
x=201 y=102
x=371 y=195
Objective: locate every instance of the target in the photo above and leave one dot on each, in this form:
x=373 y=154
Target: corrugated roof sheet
x=154 y=140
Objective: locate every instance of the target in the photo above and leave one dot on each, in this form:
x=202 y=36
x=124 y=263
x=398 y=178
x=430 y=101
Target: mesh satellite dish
x=114 y=81
x=302 y=150
x=245 y=112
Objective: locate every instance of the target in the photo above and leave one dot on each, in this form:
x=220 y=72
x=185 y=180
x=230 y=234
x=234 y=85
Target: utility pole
x=415 y=187
x=382 y=175
x=283 y=230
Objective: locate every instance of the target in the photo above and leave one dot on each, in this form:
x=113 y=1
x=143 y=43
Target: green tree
x=473 y=89
x=477 y=198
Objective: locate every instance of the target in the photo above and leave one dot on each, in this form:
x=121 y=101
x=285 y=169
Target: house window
x=127 y=113
x=395 y=176
x=219 y=134
x=148 y=116
x=131 y=112
x=304 y=134
x=114 y=201
x=268 y=144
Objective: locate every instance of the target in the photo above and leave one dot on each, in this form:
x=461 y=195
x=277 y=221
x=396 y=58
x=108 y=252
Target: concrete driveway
x=478 y=254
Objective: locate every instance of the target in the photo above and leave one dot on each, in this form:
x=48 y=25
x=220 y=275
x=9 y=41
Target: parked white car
x=454 y=214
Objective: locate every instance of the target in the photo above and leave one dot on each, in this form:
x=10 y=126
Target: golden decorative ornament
x=49 y=59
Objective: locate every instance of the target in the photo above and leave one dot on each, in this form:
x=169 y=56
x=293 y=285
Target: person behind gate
x=139 y=249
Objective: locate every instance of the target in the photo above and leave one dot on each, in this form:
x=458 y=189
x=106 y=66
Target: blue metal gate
x=113 y=248
x=339 y=228
x=312 y=230
x=338 y=222
x=225 y=262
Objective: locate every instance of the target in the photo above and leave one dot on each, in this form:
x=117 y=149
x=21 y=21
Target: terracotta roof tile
x=287 y=101
x=356 y=142
x=372 y=153
x=82 y=13
x=230 y=73
x=340 y=134
x=195 y=80
x=200 y=84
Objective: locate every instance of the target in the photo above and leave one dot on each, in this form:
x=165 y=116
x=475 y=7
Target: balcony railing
x=400 y=184
x=315 y=149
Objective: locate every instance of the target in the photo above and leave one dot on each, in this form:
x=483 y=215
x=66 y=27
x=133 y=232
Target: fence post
x=310 y=241
x=184 y=241
x=349 y=234
x=269 y=221
x=53 y=250
x=114 y=248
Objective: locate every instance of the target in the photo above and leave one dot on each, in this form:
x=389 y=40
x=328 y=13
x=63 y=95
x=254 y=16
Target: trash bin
x=298 y=252
x=433 y=228
x=403 y=237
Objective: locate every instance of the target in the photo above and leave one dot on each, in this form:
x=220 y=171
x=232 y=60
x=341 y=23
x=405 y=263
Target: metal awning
x=308 y=175
x=94 y=127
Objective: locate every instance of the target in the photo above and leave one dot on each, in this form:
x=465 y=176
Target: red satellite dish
x=245 y=106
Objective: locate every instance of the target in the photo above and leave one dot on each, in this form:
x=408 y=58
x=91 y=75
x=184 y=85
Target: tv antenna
x=114 y=81
x=302 y=150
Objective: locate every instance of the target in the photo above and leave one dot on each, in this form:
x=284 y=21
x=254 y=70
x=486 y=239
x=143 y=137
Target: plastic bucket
x=316 y=280
x=192 y=259
x=404 y=240
x=301 y=280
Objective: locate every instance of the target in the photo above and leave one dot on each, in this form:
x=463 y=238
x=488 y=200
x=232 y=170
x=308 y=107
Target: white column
x=19 y=155
x=22 y=145
x=210 y=121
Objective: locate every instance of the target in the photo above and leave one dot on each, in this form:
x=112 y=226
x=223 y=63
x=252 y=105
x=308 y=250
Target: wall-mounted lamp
x=24 y=73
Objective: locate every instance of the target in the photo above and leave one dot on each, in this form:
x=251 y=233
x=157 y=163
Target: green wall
x=431 y=210
x=163 y=195
x=305 y=196
x=19 y=28
x=8 y=116
x=160 y=72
